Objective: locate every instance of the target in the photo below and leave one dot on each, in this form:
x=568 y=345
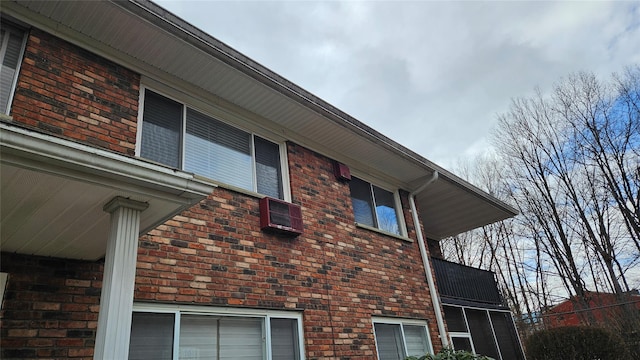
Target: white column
x=118 y=281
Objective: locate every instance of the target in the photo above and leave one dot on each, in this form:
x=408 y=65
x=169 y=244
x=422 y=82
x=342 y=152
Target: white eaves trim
x=49 y=153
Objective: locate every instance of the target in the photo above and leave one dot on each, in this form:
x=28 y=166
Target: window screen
x=241 y=339
x=268 y=168
x=389 y=342
x=218 y=151
x=151 y=336
x=284 y=339
x=161 y=130
x=416 y=340
x=11 y=41
x=462 y=343
x=506 y=335
x=481 y=333
x=199 y=337
x=455 y=319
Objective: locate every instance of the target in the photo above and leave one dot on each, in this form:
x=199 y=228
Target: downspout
x=435 y=298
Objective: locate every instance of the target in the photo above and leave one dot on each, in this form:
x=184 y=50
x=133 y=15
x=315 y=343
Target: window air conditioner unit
x=280 y=217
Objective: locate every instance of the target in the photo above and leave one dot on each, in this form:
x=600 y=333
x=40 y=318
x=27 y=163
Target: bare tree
x=570 y=162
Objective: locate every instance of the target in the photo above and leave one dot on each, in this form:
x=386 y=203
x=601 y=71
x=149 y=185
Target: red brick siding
x=338 y=275
x=50 y=307
x=69 y=92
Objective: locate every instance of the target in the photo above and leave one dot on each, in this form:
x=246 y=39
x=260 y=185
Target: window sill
x=210 y=181
x=233 y=188
x=371 y=228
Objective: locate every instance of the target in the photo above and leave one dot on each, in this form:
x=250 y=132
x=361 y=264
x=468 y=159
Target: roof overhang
x=147 y=38
x=53 y=192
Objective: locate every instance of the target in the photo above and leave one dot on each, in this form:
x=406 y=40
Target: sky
x=433 y=76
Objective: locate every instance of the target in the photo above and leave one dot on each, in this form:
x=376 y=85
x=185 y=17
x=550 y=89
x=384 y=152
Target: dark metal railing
x=465 y=282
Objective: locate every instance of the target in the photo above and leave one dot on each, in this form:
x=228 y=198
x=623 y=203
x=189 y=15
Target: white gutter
x=435 y=298
x=49 y=153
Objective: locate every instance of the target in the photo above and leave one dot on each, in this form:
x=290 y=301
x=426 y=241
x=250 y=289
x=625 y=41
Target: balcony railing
x=466 y=283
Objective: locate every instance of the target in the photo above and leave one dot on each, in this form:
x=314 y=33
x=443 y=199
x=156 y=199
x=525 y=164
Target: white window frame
x=3 y=50
x=266 y=315
x=401 y=322
x=220 y=114
x=397 y=205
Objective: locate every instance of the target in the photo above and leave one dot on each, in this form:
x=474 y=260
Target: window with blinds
x=213 y=336
x=12 y=41
x=180 y=137
x=374 y=206
x=395 y=339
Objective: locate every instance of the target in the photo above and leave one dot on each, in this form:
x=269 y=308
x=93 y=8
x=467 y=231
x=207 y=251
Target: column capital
x=119 y=201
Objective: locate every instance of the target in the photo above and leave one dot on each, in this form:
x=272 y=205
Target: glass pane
x=506 y=334
x=161 y=129
x=11 y=46
x=481 y=333
x=386 y=210
x=198 y=337
x=361 y=200
x=389 y=342
x=461 y=343
x=268 y=168
x=284 y=339
x=416 y=340
x=151 y=336
x=218 y=151
x=241 y=339
x=454 y=318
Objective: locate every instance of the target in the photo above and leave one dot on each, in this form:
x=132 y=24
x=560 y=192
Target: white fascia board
x=41 y=152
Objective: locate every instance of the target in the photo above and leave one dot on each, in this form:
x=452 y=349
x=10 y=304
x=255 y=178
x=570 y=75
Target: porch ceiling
x=52 y=194
x=141 y=35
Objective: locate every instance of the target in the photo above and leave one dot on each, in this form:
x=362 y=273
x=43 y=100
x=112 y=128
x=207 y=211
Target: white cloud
x=431 y=75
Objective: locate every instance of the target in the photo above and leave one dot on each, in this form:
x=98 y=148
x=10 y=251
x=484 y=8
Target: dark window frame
x=12 y=43
x=372 y=205
x=177 y=128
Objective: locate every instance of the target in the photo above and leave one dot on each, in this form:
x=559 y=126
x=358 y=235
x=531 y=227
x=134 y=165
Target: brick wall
x=50 y=307
x=338 y=275
x=72 y=93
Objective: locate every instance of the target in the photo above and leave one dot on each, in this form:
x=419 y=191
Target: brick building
x=164 y=197
x=600 y=308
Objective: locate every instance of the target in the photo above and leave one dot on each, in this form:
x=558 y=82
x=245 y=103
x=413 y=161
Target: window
x=374 y=206
x=483 y=331
x=181 y=137
x=206 y=334
x=11 y=49
x=3 y=284
x=397 y=339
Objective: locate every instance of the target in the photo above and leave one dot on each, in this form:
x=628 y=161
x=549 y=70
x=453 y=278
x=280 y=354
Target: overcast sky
x=431 y=75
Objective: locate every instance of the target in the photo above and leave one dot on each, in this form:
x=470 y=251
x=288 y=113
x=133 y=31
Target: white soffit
x=143 y=36
x=53 y=192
